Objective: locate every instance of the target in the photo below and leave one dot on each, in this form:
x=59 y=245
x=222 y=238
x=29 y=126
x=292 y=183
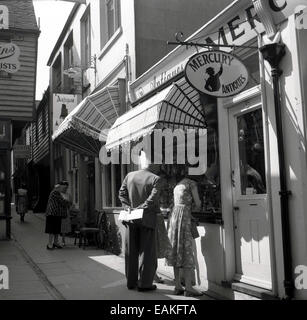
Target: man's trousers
x=140 y=256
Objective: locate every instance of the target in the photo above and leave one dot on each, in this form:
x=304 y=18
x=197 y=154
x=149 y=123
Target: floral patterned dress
x=179 y=231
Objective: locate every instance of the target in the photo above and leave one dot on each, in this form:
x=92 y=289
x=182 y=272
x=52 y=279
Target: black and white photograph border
x=153 y=153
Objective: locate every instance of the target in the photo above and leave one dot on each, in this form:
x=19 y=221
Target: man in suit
x=141 y=189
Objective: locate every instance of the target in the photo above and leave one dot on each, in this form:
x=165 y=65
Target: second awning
x=83 y=129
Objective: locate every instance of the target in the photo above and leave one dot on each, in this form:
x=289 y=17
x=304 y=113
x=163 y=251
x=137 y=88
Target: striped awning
x=83 y=129
x=177 y=107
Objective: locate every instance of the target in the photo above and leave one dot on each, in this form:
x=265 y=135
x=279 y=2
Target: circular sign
x=216 y=73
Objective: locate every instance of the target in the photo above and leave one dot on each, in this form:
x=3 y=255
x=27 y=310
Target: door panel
x=252 y=232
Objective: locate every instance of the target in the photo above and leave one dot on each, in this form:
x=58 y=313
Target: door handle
x=236 y=208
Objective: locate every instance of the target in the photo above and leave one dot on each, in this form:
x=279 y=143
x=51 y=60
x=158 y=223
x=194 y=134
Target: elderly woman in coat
x=56 y=211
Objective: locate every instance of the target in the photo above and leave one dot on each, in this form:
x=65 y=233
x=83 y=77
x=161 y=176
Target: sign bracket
x=179 y=35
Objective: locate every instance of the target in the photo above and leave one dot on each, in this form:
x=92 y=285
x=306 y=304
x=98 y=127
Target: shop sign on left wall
x=63 y=104
x=9 y=57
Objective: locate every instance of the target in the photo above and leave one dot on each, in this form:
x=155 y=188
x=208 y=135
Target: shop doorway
x=250 y=208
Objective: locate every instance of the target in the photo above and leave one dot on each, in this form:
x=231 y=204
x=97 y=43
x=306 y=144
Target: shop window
x=114 y=175
x=209 y=181
x=107 y=185
x=110 y=20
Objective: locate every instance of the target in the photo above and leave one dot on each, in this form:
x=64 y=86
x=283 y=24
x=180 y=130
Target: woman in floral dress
x=180 y=233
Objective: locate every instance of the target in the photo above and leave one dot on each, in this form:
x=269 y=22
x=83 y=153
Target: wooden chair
x=84 y=232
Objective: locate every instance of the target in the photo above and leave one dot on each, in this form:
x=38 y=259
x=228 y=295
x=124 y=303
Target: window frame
x=115 y=16
x=57 y=74
x=86 y=34
x=105 y=33
x=68 y=61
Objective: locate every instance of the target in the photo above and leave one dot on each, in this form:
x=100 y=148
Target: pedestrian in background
x=22 y=201
x=56 y=210
x=65 y=222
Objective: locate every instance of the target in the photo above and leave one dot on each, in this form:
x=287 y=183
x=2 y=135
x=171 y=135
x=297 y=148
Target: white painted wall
x=295 y=145
x=116 y=53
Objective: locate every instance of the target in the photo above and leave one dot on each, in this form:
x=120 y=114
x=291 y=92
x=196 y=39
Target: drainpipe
x=273 y=53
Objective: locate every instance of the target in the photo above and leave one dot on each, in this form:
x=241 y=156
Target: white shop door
x=251 y=223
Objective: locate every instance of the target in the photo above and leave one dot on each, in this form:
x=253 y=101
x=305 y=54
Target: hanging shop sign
x=237 y=30
x=63 y=104
x=9 y=55
x=4 y=17
x=216 y=73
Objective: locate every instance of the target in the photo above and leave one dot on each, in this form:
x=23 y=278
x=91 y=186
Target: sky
x=51 y=16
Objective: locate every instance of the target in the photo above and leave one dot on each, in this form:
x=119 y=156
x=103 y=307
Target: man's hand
x=126 y=208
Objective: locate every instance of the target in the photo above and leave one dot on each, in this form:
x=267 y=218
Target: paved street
x=69 y=273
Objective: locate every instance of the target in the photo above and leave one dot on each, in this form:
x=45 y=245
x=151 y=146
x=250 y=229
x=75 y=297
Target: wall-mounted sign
x=216 y=73
x=9 y=55
x=157 y=80
x=4 y=17
x=63 y=104
x=22 y=151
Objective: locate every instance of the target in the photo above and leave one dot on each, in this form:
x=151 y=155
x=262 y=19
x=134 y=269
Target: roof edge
x=63 y=33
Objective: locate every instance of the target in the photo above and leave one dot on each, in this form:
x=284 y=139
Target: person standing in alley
x=22 y=202
x=56 y=210
x=66 y=221
x=140 y=190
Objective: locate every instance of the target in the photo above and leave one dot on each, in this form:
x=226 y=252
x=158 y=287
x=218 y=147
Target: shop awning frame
x=178 y=106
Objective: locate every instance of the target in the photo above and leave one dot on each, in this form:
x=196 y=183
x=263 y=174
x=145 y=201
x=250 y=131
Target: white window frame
x=107 y=32
x=86 y=35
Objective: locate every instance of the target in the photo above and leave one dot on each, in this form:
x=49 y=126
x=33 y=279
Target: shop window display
x=209 y=182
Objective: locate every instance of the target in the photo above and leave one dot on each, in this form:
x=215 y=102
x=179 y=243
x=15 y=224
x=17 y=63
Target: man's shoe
x=178 y=292
x=153 y=287
x=57 y=246
x=49 y=248
x=131 y=287
x=192 y=294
